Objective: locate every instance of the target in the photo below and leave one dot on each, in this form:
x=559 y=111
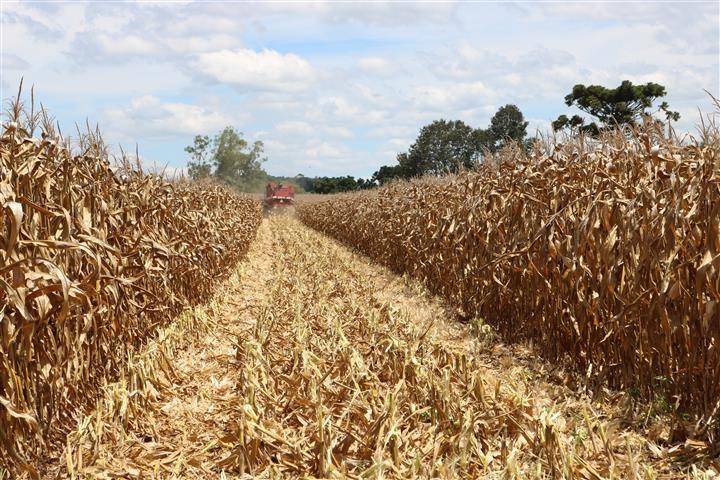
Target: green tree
x=334 y=184
x=386 y=173
x=446 y=146
x=200 y=164
x=365 y=184
x=612 y=107
x=236 y=162
x=483 y=140
x=228 y=158
x=305 y=182
x=507 y=125
x=574 y=123
x=442 y=147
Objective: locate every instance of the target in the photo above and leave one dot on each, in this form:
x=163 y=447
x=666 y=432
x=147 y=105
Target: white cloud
x=184 y=44
x=264 y=70
x=341 y=88
x=382 y=13
x=450 y=97
x=294 y=127
x=513 y=79
x=340 y=106
x=13 y=62
x=401 y=143
x=190 y=23
x=378 y=66
x=325 y=150
x=125 y=45
x=630 y=13
x=150 y=117
x=394 y=130
x=340 y=132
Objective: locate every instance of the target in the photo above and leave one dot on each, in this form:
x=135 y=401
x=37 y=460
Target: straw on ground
x=313 y=362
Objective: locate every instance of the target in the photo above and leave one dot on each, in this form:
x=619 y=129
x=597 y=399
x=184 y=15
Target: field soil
x=314 y=362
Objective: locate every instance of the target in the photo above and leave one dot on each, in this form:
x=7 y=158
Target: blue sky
x=341 y=88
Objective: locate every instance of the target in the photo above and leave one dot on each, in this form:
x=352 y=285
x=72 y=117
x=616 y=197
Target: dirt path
x=314 y=362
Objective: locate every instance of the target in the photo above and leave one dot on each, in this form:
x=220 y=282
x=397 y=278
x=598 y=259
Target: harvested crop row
x=609 y=256
x=92 y=262
x=351 y=372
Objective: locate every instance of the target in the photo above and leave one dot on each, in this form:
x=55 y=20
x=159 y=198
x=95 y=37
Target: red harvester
x=279 y=195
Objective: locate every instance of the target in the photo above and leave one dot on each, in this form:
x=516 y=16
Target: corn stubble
x=337 y=382
x=606 y=256
x=93 y=260
x=347 y=375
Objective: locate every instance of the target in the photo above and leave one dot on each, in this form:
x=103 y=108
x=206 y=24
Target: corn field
x=605 y=256
x=93 y=260
x=157 y=329
x=314 y=363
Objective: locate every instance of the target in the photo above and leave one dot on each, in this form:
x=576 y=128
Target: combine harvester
x=278 y=196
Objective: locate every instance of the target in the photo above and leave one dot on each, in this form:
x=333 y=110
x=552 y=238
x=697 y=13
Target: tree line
x=442 y=147
x=447 y=146
x=230 y=159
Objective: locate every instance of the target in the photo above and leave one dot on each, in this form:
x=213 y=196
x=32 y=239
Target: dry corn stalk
x=92 y=262
x=336 y=368
x=348 y=374
x=605 y=254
